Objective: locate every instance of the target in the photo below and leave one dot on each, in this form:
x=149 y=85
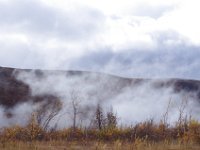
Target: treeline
x=185 y=132
x=104 y=126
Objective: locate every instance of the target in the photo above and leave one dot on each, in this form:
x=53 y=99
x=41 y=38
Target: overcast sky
x=135 y=38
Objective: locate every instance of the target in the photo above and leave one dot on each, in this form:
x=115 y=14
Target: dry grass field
x=147 y=135
x=117 y=145
x=144 y=136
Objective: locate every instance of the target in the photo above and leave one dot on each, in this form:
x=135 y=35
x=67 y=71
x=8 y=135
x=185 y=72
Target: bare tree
x=76 y=108
x=99 y=117
x=111 y=120
x=47 y=111
x=182 y=119
x=181 y=109
x=166 y=113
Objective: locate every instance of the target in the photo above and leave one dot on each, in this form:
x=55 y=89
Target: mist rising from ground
x=132 y=100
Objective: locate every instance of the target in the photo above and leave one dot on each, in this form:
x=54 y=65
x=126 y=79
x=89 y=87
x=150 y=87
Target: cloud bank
x=128 y=38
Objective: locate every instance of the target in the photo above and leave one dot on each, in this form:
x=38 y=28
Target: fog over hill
x=133 y=99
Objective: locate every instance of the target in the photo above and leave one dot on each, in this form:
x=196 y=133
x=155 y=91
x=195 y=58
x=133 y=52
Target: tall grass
x=186 y=132
x=97 y=145
x=147 y=135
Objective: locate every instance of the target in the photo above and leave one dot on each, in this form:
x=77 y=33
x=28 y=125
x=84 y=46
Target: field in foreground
x=117 y=145
x=104 y=135
x=143 y=136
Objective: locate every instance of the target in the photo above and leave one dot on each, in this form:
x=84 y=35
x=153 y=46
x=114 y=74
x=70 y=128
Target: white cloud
x=184 y=20
x=53 y=34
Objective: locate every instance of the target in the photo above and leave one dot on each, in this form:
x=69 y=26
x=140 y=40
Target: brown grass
x=117 y=145
x=143 y=136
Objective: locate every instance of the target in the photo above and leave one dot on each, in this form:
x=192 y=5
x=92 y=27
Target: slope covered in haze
x=22 y=91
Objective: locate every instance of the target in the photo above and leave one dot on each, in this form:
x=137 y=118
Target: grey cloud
x=37 y=18
x=38 y=23
x=179 y=60
x=174 y=56
x=15 y=54
x=93 y=60
x=169 y=39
